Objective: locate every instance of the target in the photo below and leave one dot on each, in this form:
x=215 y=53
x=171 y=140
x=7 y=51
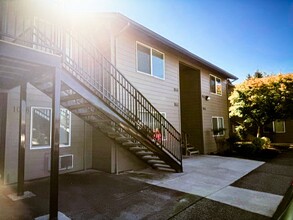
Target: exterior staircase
x=190 y=150
x=93 y=89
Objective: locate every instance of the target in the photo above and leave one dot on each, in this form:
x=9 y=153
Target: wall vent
x=65 y=162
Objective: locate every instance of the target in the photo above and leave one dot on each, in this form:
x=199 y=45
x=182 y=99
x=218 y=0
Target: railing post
x=103 y=80
x=135 y=105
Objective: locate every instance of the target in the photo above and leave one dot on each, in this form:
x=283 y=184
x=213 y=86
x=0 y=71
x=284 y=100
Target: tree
x=260 y=101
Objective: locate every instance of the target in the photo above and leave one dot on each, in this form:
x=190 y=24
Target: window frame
x=218 y=117
x=284 y=126
x=215 y=77
x=69 y=135
x=31 y=129
x=151 y=61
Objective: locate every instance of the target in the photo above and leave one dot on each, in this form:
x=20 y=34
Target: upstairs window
x=215 y=85
x=150 y=61
x=218 y=125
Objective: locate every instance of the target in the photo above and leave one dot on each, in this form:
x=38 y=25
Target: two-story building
x=104 y=85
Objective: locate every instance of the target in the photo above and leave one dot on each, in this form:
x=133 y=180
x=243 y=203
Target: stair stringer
x=114 y=116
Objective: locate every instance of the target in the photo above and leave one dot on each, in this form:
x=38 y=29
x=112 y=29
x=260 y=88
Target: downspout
x=123 y=29
x=85 y=148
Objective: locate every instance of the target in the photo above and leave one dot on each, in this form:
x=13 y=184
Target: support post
x=21 y=147
x=54 y=175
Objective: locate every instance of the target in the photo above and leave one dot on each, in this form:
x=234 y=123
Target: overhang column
x=22 y=139
x=54 y=175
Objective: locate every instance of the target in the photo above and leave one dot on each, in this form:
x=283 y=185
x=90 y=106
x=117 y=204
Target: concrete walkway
x=210 y=177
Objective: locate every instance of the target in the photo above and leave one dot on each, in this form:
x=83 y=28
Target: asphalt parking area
x=210 y=188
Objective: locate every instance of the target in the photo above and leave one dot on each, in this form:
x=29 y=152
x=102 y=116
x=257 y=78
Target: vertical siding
x=111 y=157
x=36 y=160
x=217 y=106
x=159 y=92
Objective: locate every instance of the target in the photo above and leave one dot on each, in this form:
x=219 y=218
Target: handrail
x=83 y=60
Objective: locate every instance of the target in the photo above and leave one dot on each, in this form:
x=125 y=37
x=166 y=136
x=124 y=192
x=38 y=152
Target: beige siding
x=217 y=106
x=287 y=136
x=36 y=165
x=111 y=157
x=158 y=91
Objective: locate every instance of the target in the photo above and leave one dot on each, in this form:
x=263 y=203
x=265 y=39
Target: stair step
x=123 y=139
x=135 y=148
x=113 y=134
x=156 y=161
x=87 y=113
x=131 y=144
x=194 y=152
x=70 y=97
x=166 y=169
x=78 y=106
x=150 y=157
x=161 y=165
x=144 y=153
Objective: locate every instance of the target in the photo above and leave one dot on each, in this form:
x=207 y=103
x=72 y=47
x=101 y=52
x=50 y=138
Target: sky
x=239 y=36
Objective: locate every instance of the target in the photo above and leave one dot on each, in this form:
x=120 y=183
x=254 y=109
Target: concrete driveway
x=211 y=177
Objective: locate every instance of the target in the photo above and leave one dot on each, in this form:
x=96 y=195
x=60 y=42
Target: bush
x=258 y=143
x=267 y=143
x=262 y=143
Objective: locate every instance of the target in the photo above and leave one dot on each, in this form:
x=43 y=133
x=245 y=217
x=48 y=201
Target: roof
x=171 y=44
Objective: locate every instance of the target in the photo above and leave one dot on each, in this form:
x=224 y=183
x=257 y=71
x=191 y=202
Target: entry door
x=3 y=115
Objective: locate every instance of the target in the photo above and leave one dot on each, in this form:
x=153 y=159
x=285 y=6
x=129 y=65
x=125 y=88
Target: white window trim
x=279 y=132
x=215 y=93
x=218 y=126
x=151 y=51
x=69 y=137
x=31 y=128
x=66 y=155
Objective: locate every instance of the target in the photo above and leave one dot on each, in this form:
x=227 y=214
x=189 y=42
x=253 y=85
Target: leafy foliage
x=259 y=101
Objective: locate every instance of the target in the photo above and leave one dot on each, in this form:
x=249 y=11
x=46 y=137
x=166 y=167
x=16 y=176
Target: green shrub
x=258 y=143
x=267 y=143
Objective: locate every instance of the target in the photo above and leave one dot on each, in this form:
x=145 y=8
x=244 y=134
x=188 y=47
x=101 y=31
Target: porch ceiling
x=19 y=64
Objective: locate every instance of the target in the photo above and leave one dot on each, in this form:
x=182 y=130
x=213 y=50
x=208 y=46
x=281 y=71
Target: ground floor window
x=218 y=125
x=279 y=126
x=41 y=123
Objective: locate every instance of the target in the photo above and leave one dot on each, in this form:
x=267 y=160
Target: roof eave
x=174 y=46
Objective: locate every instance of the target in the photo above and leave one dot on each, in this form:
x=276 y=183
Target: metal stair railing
x=83 y=60
x=88 y=65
